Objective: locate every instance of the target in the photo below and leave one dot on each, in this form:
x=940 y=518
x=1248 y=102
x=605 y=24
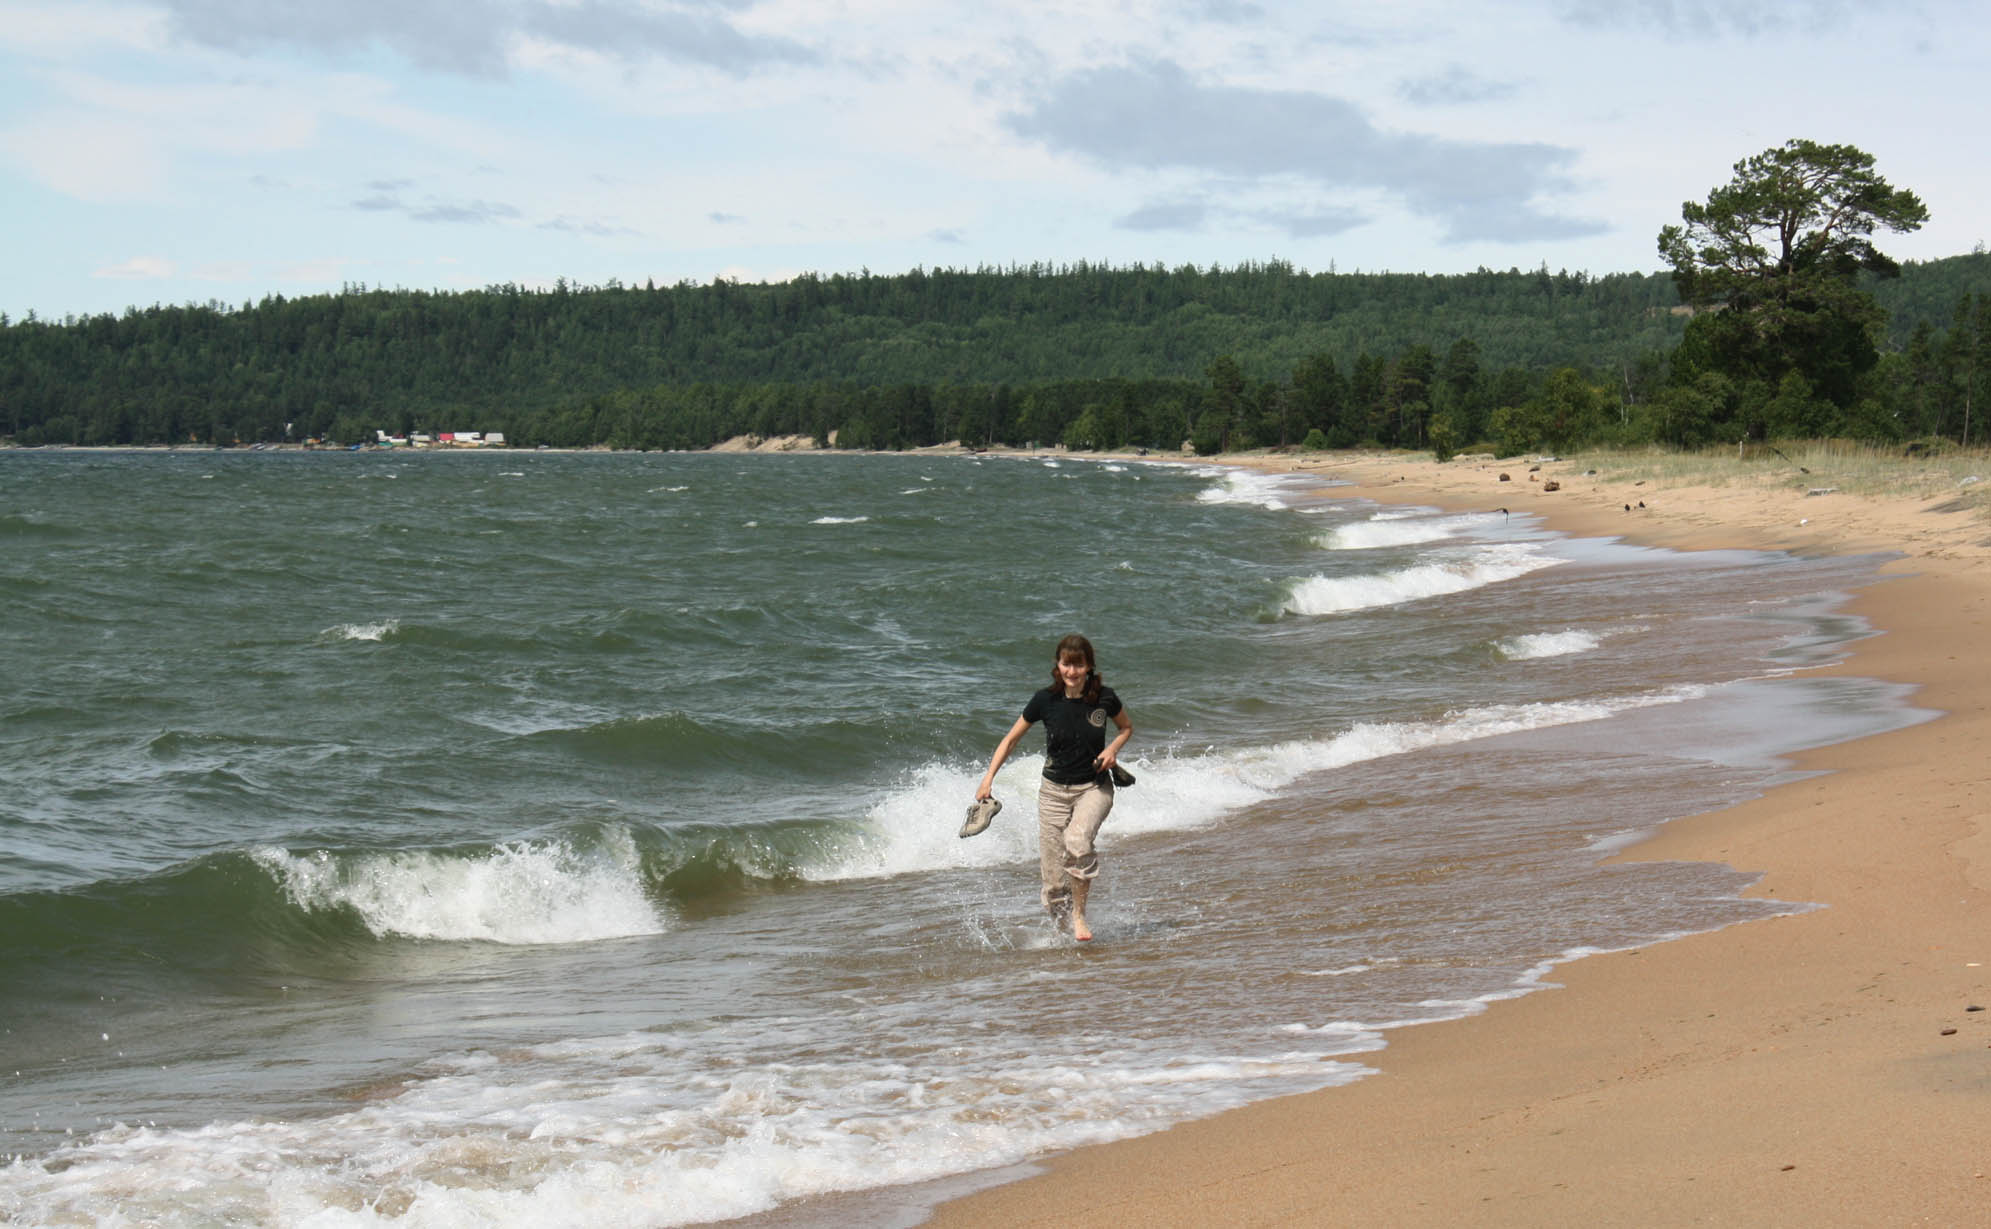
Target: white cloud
x=242 y=116
x=138 y=268
x=87 y=156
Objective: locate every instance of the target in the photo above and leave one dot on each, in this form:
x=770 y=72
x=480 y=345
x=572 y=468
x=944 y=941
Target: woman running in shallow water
x=1077 y=789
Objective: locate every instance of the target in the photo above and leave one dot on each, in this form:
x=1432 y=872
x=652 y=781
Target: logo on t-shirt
x=1097 y=717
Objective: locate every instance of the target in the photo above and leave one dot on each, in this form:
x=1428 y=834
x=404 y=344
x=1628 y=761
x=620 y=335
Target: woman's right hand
x=1002 y=751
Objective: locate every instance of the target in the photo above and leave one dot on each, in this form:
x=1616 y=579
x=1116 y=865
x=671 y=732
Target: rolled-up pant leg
x=1068 y=822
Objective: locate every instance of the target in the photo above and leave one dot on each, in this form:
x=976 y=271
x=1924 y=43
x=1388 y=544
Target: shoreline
x=1816 y=1068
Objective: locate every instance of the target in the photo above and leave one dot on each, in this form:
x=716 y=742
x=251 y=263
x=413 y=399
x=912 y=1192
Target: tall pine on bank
x=1772 y=262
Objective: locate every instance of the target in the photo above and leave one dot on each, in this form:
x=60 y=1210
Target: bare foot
x=1080 y=930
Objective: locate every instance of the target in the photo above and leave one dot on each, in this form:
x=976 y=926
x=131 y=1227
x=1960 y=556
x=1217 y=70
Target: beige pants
x=1068 y=820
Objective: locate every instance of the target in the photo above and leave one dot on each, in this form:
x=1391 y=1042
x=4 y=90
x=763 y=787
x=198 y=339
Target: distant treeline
x=1088 y=355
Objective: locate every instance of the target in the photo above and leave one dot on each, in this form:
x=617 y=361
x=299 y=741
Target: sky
x=191 y=151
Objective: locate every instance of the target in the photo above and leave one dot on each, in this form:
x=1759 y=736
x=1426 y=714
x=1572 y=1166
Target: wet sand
x=1823 y=1068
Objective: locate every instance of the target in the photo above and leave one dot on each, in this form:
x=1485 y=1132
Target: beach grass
x=1961 y=476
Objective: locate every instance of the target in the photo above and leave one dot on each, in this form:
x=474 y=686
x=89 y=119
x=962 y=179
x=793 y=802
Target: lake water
x=552 y=839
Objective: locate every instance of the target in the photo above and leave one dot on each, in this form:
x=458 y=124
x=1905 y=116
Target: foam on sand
x=1548 y=644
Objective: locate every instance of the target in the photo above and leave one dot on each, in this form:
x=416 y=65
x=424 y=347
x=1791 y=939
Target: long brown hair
x=1076 y=645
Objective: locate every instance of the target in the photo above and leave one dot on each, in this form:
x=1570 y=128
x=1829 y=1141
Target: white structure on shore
x=442 y=439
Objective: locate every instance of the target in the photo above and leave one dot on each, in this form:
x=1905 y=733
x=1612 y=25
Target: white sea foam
x=1548 y=644
x=1470 y=568
x=1437 y=1010
x=363 y=631
x=541 y=715
x=521 y=892
x=1360 y=1037
x=607 y=1133
x=1244 y=486
x=1344 y=971
x=840 y=520
x=1385 y=530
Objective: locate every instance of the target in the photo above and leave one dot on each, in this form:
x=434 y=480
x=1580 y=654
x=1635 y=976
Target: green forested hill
x=393 y=357
x=672 y=366
x=1928 y=294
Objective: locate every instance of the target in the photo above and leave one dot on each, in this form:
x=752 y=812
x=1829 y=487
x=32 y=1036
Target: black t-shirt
x=1074 y=732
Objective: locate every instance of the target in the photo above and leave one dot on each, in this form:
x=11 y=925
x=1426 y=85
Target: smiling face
x=1071 y=664
x=1072 y=669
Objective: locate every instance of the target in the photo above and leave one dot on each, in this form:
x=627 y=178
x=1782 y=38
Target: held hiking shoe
x=979 y=816
x=1121 y=777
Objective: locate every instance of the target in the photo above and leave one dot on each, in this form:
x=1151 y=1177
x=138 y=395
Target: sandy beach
x=1826 y=1068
